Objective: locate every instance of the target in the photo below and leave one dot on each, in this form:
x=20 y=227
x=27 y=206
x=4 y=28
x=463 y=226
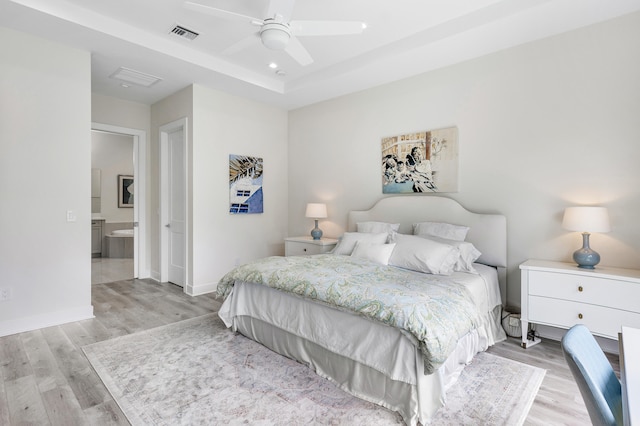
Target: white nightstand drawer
x=600 y=320
x=579 y=288
x=293 y=248
x=301 y=246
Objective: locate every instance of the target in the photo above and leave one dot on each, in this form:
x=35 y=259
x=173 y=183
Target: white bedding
x=387 y=356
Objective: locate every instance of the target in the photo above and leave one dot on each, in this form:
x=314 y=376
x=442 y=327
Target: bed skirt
x=394 y=379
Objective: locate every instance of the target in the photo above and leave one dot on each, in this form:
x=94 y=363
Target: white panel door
x=177 y=200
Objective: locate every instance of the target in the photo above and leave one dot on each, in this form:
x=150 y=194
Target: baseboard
x=51 y=319
x=553 y=333
x=197 y=290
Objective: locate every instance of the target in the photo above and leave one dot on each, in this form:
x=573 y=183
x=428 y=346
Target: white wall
x=45 y=170
x=118 y=112
x=222 y=125
x=218 y=125
x=113 y=155
x=542 y=126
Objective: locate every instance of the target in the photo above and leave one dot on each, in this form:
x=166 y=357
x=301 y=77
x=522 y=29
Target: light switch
x=71 y=216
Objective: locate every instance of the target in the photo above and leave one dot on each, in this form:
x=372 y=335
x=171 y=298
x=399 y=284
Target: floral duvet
x=436 y=310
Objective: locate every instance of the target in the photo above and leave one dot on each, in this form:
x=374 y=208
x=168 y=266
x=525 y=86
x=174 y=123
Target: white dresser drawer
x=585 y=289
x=559 y=294
x=600 y=320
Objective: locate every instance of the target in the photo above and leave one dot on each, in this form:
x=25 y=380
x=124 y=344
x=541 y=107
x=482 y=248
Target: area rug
x=196 y=372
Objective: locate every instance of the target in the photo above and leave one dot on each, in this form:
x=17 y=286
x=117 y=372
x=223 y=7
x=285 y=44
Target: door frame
x=164 y=132
x=141 y=267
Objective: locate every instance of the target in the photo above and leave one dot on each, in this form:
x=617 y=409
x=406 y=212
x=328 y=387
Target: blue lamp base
x=316 y=232
x=585 y=257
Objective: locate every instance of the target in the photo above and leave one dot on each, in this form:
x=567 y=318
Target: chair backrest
x=598 y=384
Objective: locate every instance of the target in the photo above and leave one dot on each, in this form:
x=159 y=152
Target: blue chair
x=599 y=386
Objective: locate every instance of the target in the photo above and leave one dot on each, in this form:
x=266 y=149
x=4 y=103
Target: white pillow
x=349 y=240
x=468 y=253
x=379 y=253
x=377 y=227
x=442 y=230
x=423 y=255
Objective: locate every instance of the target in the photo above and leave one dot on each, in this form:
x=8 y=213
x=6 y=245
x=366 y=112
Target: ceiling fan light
x=275 y=36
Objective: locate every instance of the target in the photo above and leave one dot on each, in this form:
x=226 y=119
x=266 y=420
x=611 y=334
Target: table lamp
x=586 y=220
x=316 y=211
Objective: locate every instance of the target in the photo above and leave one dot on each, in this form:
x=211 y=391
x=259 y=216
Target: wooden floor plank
x=62 y=407
x=75 y=367
x=25 y=402
x=45 y=367
x=13 y=358
x=4 y=405
x=107 y=413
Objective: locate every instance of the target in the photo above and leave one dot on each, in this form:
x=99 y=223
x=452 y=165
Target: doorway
x=140 y=268
x=174 y=224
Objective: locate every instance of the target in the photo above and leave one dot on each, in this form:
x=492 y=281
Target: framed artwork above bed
x=420 y=162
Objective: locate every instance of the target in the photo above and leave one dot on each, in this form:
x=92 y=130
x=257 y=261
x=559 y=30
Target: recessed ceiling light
x=364 y=26
x=273 y=65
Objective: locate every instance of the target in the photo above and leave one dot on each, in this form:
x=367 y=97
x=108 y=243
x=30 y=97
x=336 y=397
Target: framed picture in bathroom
x=125 y=191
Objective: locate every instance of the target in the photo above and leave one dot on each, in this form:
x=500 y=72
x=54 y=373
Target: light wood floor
x=45 y=378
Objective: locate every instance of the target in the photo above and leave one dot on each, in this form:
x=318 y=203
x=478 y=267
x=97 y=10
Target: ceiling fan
x=277 y=31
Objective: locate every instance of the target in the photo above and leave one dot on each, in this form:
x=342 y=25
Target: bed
x=328 y=314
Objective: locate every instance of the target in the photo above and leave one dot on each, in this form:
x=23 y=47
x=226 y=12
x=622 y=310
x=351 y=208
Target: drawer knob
x=580 y=316
x=304 y=249
x=580 y=288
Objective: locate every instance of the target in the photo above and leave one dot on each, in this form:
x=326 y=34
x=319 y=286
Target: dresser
x=299 y=246
x=562 y=295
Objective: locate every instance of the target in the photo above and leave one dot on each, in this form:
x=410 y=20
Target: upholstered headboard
x=488 y=232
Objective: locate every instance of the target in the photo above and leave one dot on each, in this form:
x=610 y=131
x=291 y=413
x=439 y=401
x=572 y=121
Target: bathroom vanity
x=97 y=234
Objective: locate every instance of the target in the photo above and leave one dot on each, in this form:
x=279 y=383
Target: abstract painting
x=245 y=184
x=125 y=191
x=420 y=162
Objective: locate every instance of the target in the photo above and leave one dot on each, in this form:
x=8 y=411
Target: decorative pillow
x=468 y=253
x=423 y=255
x=349 y=239
x=442 y=230
x=379 y=253
x=377 y=227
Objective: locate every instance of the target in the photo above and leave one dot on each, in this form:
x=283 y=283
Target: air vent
x=135 y=77
x=184 y=33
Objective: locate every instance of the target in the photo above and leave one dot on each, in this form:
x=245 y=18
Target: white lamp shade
x=586 y=219
x=316 y=210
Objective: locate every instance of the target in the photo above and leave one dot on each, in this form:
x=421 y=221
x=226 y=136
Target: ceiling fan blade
x=321 y=28
x=296 y=50
x=242 y=44
x=221 y=13
x=283 y=8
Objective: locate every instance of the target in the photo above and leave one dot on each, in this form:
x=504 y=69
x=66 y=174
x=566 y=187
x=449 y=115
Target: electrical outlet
x=5 y=294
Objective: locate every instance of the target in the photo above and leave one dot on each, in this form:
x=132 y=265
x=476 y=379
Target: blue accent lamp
x=586 y=220
x=316 y=211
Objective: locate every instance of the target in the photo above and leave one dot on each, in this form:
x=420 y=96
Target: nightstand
x=562 y=295
x=298 y=246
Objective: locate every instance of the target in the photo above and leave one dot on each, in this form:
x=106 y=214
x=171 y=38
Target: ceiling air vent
x=184 y=33
x=130 y=76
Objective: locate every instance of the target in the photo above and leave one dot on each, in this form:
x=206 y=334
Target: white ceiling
x=403 y=38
